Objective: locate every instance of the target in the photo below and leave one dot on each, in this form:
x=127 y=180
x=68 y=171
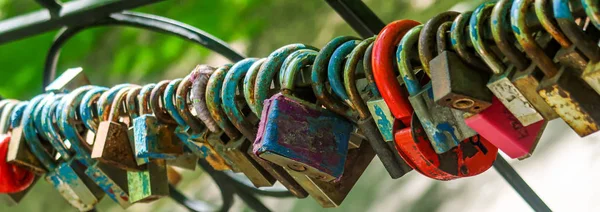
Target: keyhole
x=463 y=103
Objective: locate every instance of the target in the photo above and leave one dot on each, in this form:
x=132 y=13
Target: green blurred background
x=113 y=55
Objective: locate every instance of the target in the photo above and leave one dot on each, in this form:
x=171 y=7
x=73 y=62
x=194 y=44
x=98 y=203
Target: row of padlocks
x=440 y=98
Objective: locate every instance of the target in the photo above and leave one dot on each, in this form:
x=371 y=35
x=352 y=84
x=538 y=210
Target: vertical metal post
x=514 y=179
x=362 y=19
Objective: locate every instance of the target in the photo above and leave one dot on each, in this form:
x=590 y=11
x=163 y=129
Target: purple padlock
x=301 y=136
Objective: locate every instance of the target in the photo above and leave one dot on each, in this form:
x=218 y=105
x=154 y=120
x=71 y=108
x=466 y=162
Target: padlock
x=585 y=43
x=112 y=145
x=473 y=156
x=111 y=180
x=18 y=151
x=247 y=123
x=236 y=146
x=14 y=179
x=195 y=129
x=62 y=176
x=5 y=127
x=200 y=76
x=569 y=55
x=427 y=39
x=339 y=66
x=268 y=71
x=592 y=9
x=151 y=183
x=383 y=69
x=158 y=104
x=68 y=81
x=153 y=139
x=377 y=107
x=591 y=74
x=454 y=84
x=444 y=126
x=296 y=134
x=565 y=93
x=510 y=85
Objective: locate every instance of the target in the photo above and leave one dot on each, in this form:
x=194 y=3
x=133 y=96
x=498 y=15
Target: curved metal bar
x=143 y=21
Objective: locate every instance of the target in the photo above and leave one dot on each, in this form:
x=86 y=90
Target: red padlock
x=384 y=64
x=471 y=157
x=13 y=178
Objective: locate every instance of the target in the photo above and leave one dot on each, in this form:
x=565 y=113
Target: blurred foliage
x=112 y=55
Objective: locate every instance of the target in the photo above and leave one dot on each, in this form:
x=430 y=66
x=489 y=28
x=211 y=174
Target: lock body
x=155 y=140
x=303 y=137
x=457 y=86
x=571 y=100
x=69 y=80
x=112 y=146
x=445 y=127
x=591 y=75
x=513 y=99
x=383 y=118
x=571 y=58
x=19 y=153
x=527 y=82
x=198 y=145
x=501 y=128
x=150 y=184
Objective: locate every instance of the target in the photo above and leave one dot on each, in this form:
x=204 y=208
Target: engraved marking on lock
x=463 y=103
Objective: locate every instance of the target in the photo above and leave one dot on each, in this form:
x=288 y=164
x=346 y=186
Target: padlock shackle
x=7 y=110
x=545 y=13
x=524 y=35
x=87 y=110
x=182 y=97
x=460 y=41
x=293 y=65
x=67 y=123
x=503 y=36
x=592 y=9
x=214 y=103
x=106 y=99
x=405 y=48
x=31 y=137
x=228 y=96
x=479 y=21
x=383 y=62
x=358 y=54
x=368 y=69
x=114 y=113
x=319 y=79
x=250 y=85
x=131 y=102
x=169 y=101
x=200 y=76
x=36 y=117
x=270 y=69
x=143 y=99
x=51 y=130
x=335 y=69
x=158 y=105
x=443 y=37
x=17 y=114
x=587 y=45
x=427 y=39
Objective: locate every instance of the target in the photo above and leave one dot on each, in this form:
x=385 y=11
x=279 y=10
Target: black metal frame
x=76 y=16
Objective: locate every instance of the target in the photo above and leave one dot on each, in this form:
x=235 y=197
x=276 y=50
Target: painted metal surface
x=383 y=69
x=69 y=80
x=501 y=128
x=444 y=127
x=592 y=9
x=303 y=137
x=591 y=75
x=150 y=184
x=472 y=157
x=427 y=38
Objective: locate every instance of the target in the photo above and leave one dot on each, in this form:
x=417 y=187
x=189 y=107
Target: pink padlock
x=501 y=128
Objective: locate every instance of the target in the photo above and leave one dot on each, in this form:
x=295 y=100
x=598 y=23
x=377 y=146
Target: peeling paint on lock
x=572 y=102
x=591 y=75
x=303 y=138
x=383 y=118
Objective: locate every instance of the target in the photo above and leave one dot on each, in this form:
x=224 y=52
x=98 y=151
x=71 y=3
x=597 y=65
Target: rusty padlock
x=247 y=123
